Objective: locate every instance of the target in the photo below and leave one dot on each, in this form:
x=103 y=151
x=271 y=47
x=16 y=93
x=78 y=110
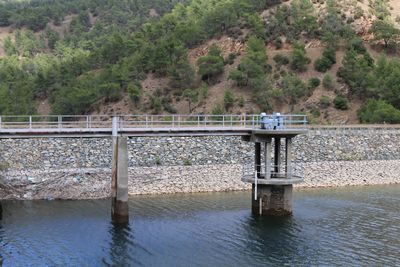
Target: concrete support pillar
x=288 y=158
x=274 y=200
x=119 y=182
x=257 y=158
x=277 y=154
x=267 y=158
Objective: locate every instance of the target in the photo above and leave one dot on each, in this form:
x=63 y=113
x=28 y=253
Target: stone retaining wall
x=327 y=145
x=95 y=183
x=160 y=165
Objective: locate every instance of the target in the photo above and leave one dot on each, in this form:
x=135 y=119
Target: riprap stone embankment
x=80 y=168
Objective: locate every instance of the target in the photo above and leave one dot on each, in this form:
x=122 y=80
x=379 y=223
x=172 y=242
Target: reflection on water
x=355 y=226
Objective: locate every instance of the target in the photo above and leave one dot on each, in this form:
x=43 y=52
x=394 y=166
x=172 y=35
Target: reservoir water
x=331 y=227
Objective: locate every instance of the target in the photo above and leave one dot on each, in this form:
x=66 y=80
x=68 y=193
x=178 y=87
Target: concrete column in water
x=267 y=158
x=272 y=193
x=119 y=180
x=274 y=200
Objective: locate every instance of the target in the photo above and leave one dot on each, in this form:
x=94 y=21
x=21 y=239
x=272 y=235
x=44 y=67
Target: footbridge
x=272 y=177
x=145 y=125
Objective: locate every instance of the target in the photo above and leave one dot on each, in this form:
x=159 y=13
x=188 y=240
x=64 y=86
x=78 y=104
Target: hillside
x=333 y=60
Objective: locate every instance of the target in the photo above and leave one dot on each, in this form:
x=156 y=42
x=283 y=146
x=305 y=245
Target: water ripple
x=349 y=227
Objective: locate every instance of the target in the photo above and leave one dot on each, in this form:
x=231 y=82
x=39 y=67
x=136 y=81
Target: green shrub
x=357 y=44
x=281 y=59
x=241 y=101
x=134 y=92
x=293 y=88
x=314 y=82
x=324 y=101
x=378 y=111
x=326 y=61
x=327 y=82
x=211 y=65
x=229 y=99
x=231 y=59
x=192 y=97
x=278 y=43
x=299 y=59
x=155 y=104
x=187 y=162
x=217 y=110
x=322 y=64
x=315 y=112
x=111 y=92
x=340 y=102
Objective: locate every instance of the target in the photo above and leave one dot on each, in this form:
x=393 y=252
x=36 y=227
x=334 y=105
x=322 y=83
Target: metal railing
x=277 y=171
x=256 y=173
x=126 y=122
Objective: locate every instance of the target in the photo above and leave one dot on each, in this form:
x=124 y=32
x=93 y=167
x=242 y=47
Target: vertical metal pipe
x=257 y=159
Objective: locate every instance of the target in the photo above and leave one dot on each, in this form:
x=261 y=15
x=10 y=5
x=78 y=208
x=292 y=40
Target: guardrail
x=277 y=171
x=126 y=122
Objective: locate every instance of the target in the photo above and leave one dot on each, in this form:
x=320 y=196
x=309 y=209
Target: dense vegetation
x=110 y=46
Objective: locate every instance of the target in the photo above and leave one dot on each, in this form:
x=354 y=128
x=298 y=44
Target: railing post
x=59 y=122
x=30 y=122
x=198 y=120
x=223 y=120
x=0 y=123
x=115 y=126
x=87 y=122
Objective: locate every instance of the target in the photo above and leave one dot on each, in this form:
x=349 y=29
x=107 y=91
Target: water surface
x=342 y=227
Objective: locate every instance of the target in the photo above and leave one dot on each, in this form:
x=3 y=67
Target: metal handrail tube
x=143 y=121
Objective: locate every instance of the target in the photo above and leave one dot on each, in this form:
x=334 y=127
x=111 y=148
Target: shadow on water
x=121 y=245
x=272 y=239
